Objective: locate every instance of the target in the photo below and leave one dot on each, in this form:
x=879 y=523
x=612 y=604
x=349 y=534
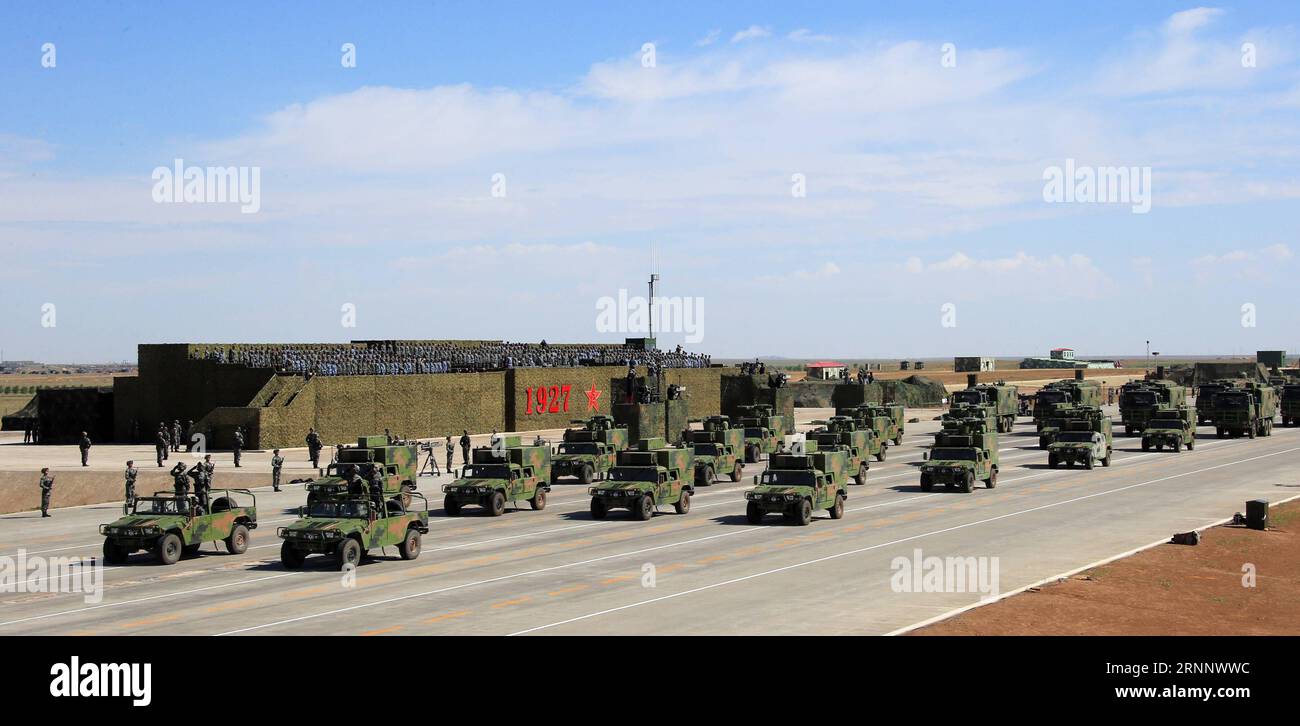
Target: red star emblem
x=593 y=397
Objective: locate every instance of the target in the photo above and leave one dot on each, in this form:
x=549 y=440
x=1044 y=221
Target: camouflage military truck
x=1088 y=438
x=346 y=528
x=650 y=475
x=398 y=462
x=1053 y=426
x=1249 y=411
x=1140 y=400
x=763 y=430
x=1002 y=400
x=1054 y=399
x=590 y=451
x=965 y=453
x=796 y=484
x=719 y=450
x=959 y=412
x=171 y=527
x=857 y=444
x=507 y=471
x=1205 y=398
x=886 y=419
x=1175 y=428
x=1290 y=404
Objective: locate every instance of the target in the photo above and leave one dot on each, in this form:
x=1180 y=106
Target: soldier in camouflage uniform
x=202 y=483
x=180 y=483
x=464 y=446
x=377 y=488
x=47 y=487
x=189 y=435
x=277 y=463
x=130 y=475
x=314 y=446
x=239 y=444
x=85 y=449
x=160 y=446
x=176 y=435
x=450 y=451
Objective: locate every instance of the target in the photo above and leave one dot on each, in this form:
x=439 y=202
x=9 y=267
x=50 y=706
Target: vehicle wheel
x=169 y=549
x=114 y=554
x=1106 y=461
x=968 y=483
x=753 y=514
x=737 y=471
x=751 y=454
x=1178 y=446
x=450 y=505
x=237 y=542
x=803 y=513
x=898 y=440
x=1191 y=443
x=1218 y=432
x=496 y=504
x=1052 y=461
x=1146 y=444
x=643 y=508
x=291 y=557
x=708 y=475
x=837 y=510
x=538 y=502
x=1250 y=432
x=349 y=553
x=409 y=549
x=861 y=477
x=585 y=475
x=926 y=483
x=1088 y=462
x=884 y=453
x=992 y=481
x=683 y=504
x=191 y=550
x=1042 y=442
x=598 y=508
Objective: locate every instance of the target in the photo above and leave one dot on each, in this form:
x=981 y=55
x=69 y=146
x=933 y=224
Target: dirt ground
x=58 y=380
x=1166 y=590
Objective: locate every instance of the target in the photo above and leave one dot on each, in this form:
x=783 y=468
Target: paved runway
x=707 y=572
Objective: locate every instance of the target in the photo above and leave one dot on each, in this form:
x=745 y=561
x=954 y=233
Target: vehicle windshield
x=972 y=397
x=486 y=471
x=1052 y=397
x=162 y=506
x=583 y=447
x=1140 y=398
x=1165 y=423
x=1232 y=400
x=754 y=432
x=635 y=473
x=946 y=453
x=709 y=449
x=1075 y=436
x=793 y=478
x=339 y=510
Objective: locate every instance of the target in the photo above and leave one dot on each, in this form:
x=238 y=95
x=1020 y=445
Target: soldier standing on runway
x=313 y=447
x=160 y=446
x=47 y=487
x=451 y=449
x=85 y=449
x=277 y=462
x=464 y=446
x=239 y=444
x=131 y=473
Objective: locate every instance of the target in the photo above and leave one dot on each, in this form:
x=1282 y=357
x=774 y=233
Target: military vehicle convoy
x=1002 y=401
x=886 y=419
x=842 y=433
x=647 y=476
x=1174 y=428
x=796 y=484
x=1140 y=400
x=399 y=466
x=506 y=471
x=590 y=451
x=346 y=527
x=719 y=450
x=764 y=430
x=965 y=452
x=171 y=527
x=1052 y=426
x=1247 y=411
x=1057 y=397
x=1290 y=404
x=1087 y=438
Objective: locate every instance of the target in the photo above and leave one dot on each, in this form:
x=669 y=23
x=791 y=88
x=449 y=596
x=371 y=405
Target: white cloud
x=709 y=39
x=750 y=33
x=804 y=35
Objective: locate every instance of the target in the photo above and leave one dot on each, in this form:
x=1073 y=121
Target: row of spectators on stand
x=407 y=358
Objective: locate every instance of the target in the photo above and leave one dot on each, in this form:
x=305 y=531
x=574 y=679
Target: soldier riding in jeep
x=171 y=526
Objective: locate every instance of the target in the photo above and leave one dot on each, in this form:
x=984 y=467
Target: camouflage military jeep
x=171 y=527
x=1082 y=441
x=652 y=474
x=1170 y=427
x=398 y=465
x=506 y=471
x=719 y=450
x=347 y=528
x=796 y=484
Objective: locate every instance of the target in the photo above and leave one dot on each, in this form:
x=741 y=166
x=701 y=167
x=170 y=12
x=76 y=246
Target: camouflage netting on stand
x=913 y=392
x=1199 y=373
x=65 y=412
x=22 y=418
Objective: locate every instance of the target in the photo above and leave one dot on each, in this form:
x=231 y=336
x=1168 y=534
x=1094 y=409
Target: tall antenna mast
x=654 y=277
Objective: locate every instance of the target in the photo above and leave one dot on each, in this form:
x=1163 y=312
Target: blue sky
x=924 y=181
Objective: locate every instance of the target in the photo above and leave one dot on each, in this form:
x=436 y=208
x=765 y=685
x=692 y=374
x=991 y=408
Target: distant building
x=825 y=370
x=1064 y=358
x=1062 y=353
x=972 y=364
